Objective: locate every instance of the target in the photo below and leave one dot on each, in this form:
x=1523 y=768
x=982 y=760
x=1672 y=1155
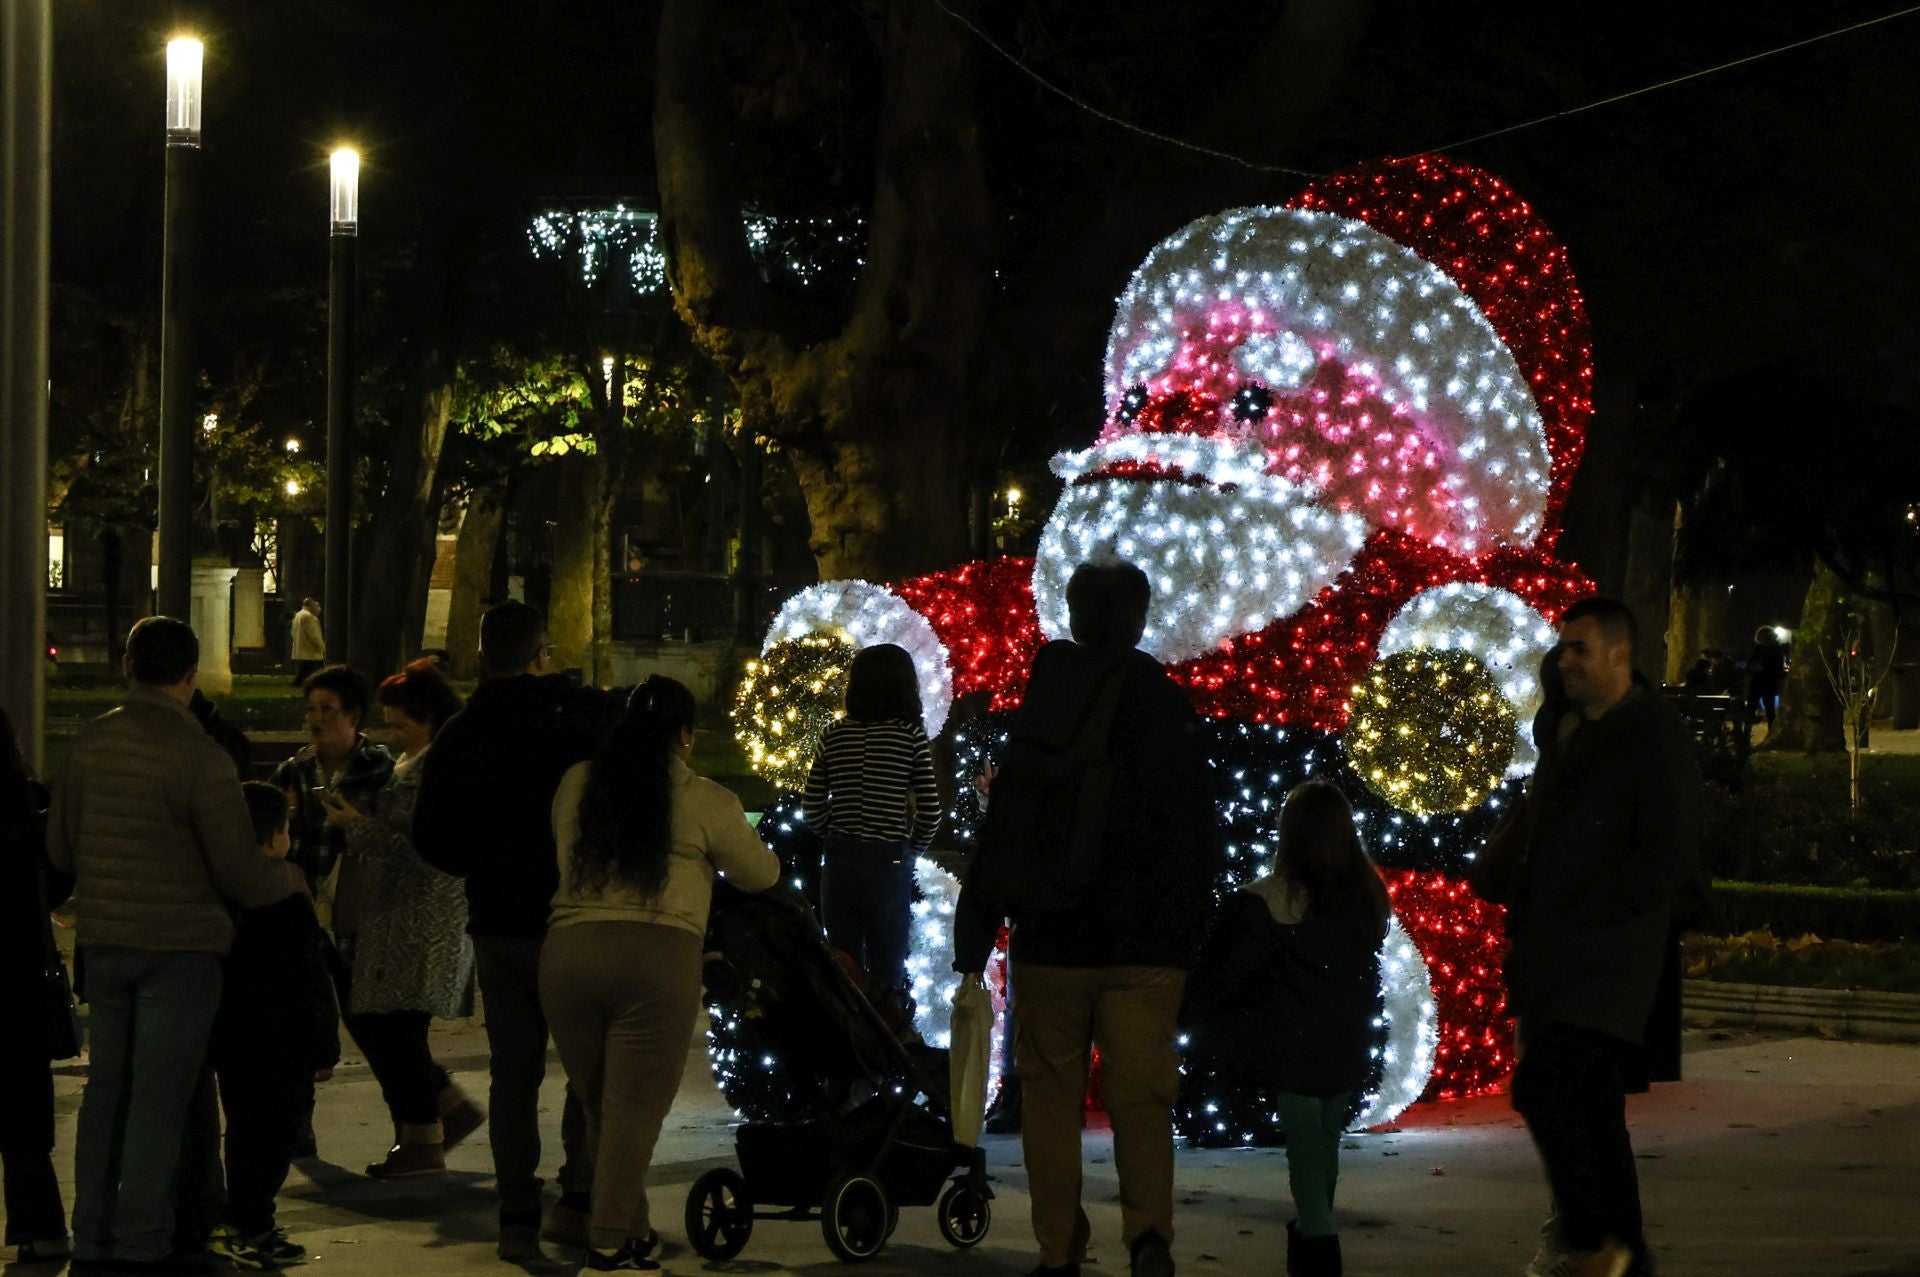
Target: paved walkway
x=1782 y=1156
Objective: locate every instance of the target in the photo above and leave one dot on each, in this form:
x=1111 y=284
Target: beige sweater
x=710 y=833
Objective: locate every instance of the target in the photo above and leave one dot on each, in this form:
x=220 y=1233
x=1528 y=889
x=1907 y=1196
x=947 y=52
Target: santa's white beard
x=1222 y=560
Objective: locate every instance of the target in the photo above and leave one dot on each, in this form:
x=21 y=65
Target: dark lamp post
x=344 y=225
x=184 y=58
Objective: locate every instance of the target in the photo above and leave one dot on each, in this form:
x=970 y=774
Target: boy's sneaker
x=634 y=1255
x=270 y=1249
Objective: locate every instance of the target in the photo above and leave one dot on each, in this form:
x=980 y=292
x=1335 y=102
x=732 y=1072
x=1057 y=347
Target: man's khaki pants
x=1130 y=1013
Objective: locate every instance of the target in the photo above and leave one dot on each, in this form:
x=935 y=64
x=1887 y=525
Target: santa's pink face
x=1280 y=384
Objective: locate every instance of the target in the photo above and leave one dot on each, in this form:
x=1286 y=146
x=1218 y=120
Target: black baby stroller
x=845 y=1123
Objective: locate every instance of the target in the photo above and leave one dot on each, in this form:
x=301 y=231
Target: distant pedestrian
x=151 y=824
x=485 y=813
x=273 y=1033
x=308 y=649
x=871 y=795
x=1766 y=674
x=1290 y=986
x=639 y=840
x=1100 y=845
x=36 y=1221
x=401 y=928
x=1608 y=866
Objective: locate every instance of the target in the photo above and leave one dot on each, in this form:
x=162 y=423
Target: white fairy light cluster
x=1297 y=284
x=1226 y=547
x=1411 y=1019
x=930 y=967
x=1498 y=627
x=867 y=615
x=598 y=235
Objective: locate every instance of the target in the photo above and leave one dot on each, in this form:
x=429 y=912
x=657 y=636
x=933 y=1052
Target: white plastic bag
x=969 y=1055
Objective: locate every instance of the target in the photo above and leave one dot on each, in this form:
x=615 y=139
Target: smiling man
x=1612 y=865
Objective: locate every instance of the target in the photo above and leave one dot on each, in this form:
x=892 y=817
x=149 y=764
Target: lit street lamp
x=184 y=58
x=344 y=229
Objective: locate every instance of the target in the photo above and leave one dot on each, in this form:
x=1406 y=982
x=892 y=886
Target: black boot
x=1005 y=1117
x=1312 y=1256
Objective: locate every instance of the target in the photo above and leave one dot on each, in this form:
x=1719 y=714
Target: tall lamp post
x=344 y=203
x=184 y=57
x=26 y=111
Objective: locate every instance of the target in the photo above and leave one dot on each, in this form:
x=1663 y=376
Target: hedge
x=1833 y=913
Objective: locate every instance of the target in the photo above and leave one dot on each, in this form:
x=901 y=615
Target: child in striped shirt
x=871 y=795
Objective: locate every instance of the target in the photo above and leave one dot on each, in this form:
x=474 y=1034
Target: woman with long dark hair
x=871 y=794
x=36 y=1221
x=1290 y=984
x=640 y=840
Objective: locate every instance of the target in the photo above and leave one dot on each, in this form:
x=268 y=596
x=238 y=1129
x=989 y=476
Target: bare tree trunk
x=472 y=580
x=875 y=420
x=570 y=605
x=391 y=581
x=1811 y=720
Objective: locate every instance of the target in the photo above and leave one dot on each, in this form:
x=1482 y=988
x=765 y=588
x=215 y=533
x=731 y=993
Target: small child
x=1289 y=987
x=272 y=1037
x=871 y=794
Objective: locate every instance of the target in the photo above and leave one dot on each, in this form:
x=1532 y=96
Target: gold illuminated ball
x=1430 y=731
x=786 y=699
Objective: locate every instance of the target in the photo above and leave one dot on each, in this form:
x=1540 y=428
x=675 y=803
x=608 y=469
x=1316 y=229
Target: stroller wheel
x=856 y=1216
x=964 y=1215
x=719 y=1216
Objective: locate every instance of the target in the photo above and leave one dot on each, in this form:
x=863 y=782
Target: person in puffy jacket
x=1289 y=986
x=150 y=823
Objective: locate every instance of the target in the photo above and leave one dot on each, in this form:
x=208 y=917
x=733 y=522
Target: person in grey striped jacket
x=871 y=795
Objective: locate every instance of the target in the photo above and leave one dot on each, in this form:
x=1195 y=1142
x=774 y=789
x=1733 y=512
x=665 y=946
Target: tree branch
x=714 y=284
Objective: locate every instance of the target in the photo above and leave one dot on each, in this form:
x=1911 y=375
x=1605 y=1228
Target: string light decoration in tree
x=1431 y=730
x=786 y=701
x=1383 y=388
x=800 y=250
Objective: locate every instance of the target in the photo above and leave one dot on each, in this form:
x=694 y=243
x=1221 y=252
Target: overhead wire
x=1262 y=166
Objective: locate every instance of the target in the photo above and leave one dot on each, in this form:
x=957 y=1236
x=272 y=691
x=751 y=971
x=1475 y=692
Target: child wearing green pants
x=1291 y=979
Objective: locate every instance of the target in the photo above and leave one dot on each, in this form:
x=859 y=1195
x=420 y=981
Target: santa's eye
x=1251 y=403
x=1132 y=402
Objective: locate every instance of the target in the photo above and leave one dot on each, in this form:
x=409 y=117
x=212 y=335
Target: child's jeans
x=866 y=897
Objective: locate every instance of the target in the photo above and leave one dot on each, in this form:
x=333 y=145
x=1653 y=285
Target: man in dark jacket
x=1611 y=864
x=151 y=824
x=1111 y=968
x=485 y=813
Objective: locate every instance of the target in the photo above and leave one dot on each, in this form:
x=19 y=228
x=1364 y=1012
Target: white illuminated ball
x=1495 y=625
x=866 y=615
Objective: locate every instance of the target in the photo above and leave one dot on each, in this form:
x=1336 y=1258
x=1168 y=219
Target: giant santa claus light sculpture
x=1337 y=437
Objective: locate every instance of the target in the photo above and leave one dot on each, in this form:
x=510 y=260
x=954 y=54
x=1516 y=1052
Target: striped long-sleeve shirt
x=873 y=779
